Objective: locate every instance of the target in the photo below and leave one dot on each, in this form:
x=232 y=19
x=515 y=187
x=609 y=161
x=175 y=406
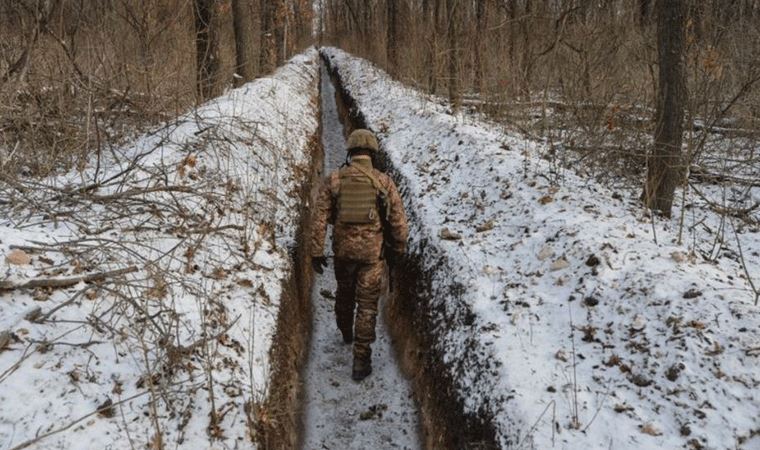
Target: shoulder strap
x=375 y=182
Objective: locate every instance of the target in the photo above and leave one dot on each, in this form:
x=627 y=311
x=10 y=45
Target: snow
x=574 y=300
x=199 y=314
x=339 y=413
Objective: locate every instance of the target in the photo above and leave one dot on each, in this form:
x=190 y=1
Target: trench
x=338 y=413
x=411 y=399
x=411 y=321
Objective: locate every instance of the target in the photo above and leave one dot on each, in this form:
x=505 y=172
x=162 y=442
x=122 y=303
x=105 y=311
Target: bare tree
x=268 y=52
x=41 y=12
x=242 y=23
x=391 y=39
x=665 y=165
x=206 y=47
x=477 y=49
x=453 y=10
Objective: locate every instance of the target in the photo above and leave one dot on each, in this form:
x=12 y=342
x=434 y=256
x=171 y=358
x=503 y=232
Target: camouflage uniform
x=357 y=248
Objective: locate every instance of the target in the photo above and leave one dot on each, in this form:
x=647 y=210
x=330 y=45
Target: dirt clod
x=674 y=371
x=592 y=261
x=591 y=301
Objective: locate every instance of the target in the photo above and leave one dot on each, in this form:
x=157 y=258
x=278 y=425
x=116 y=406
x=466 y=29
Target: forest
x=579 y=181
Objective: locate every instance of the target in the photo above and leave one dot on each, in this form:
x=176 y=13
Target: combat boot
x=362 y=369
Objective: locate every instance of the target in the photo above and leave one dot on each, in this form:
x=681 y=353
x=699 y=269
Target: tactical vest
x=358 y=195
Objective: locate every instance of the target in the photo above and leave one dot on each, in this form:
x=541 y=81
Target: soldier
x=369 y=227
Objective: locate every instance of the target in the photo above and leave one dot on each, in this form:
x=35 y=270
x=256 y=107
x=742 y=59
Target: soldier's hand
x=318 y=263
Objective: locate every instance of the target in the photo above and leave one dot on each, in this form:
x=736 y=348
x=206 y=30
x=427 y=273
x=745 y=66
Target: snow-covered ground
x=379 y=412
x=566 y=316
x=203 y=213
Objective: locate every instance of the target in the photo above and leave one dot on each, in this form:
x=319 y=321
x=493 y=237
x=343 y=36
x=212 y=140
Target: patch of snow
x=198 y=315
x=567 y=322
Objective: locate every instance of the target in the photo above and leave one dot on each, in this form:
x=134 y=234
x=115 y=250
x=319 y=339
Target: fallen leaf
x=559 y=264
x=449 y=235
x=546 y=199
x=651 y=430
x=33 y=314
x=106 y=408
x=545 y=252
x=5 y=339
x=18 y=258
x=244 y=282
x=621 y=408
x=487 y=226
x=678 y=257
x=219 y=274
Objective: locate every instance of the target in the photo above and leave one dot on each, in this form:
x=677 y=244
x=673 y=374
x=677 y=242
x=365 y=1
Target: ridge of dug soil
x=443 y=419
x=279 y=418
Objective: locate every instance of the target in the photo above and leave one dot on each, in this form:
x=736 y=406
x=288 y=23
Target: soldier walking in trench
x=369 y=227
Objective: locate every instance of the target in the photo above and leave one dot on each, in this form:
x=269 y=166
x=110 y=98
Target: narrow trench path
x=378 y=413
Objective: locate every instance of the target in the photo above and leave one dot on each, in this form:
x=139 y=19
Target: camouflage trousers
x=359 y=287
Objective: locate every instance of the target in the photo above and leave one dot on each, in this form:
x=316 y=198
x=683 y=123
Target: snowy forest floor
x=338 y=412
x=564 y=315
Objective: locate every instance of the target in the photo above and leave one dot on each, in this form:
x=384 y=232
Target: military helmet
x=362 y=139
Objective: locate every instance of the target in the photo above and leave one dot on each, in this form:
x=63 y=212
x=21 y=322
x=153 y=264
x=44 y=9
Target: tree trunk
x=665 y=165
x=365 y=16
x=453 y=9
x=512 y=49
x=242 y=24
x=391 y=38
x=480 y=16
x=527 y=59
x=206 y=49
x=438 y=34
x=281 y=31
x=428 y=20
x=268 y=52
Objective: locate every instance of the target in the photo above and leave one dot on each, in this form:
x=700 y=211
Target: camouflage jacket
x=359 y=242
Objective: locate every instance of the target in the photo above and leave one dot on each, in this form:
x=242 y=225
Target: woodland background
x=79 y=75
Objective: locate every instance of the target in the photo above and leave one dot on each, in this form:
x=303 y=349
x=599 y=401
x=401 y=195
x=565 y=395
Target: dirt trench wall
x=278 y=424
x=410 y=313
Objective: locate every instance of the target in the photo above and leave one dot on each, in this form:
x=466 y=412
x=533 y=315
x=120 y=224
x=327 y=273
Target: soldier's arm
x=323 y=211
x=397 y=219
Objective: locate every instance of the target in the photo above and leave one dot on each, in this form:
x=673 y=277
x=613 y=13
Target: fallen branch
x=66 y=282
x=136 y=192
x=699 y=174
x=739 y=213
